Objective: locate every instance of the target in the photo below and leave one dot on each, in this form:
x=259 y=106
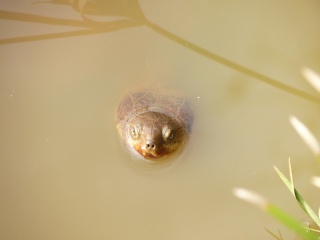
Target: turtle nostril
x=150 y=146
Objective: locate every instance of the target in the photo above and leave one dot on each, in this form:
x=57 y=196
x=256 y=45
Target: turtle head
x=154 y=135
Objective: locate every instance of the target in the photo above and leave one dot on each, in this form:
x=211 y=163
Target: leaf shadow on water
x=131 y=15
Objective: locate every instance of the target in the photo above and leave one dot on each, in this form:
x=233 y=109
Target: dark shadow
x=121 y=8
x=25 y=17
x=233 y=65
x=130 y=9
x=90 y=27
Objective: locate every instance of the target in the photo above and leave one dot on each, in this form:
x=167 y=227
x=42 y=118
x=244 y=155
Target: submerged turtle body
x=154 y=124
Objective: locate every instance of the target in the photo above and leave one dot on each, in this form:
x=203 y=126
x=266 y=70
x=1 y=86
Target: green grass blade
x=274 y=235
x=276 y=212
x=285 y=180
x=290 y=222
x=303 y=204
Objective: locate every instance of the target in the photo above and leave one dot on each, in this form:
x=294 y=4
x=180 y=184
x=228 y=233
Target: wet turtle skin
x=154 y=124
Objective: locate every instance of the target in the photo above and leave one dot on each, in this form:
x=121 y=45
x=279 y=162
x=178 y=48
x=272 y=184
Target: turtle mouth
x=149 y=155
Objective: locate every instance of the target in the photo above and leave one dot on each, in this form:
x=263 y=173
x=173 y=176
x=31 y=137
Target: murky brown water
x=63 y=173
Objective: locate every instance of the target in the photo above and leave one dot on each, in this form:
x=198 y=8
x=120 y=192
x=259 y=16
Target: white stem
x=306 y=135
x=312 y=77
x=250 y=197
x=316 y=181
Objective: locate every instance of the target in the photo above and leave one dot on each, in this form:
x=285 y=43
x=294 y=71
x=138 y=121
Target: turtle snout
x=150 y=146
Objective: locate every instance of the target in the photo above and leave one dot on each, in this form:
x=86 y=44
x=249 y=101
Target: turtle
x=154 y=124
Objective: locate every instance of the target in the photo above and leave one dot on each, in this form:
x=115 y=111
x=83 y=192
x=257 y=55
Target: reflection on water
x=63 y=173
x=136 y=17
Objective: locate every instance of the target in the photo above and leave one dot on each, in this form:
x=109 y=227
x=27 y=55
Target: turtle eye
x=135 y=131
x=167 y=133
x=171 y=136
